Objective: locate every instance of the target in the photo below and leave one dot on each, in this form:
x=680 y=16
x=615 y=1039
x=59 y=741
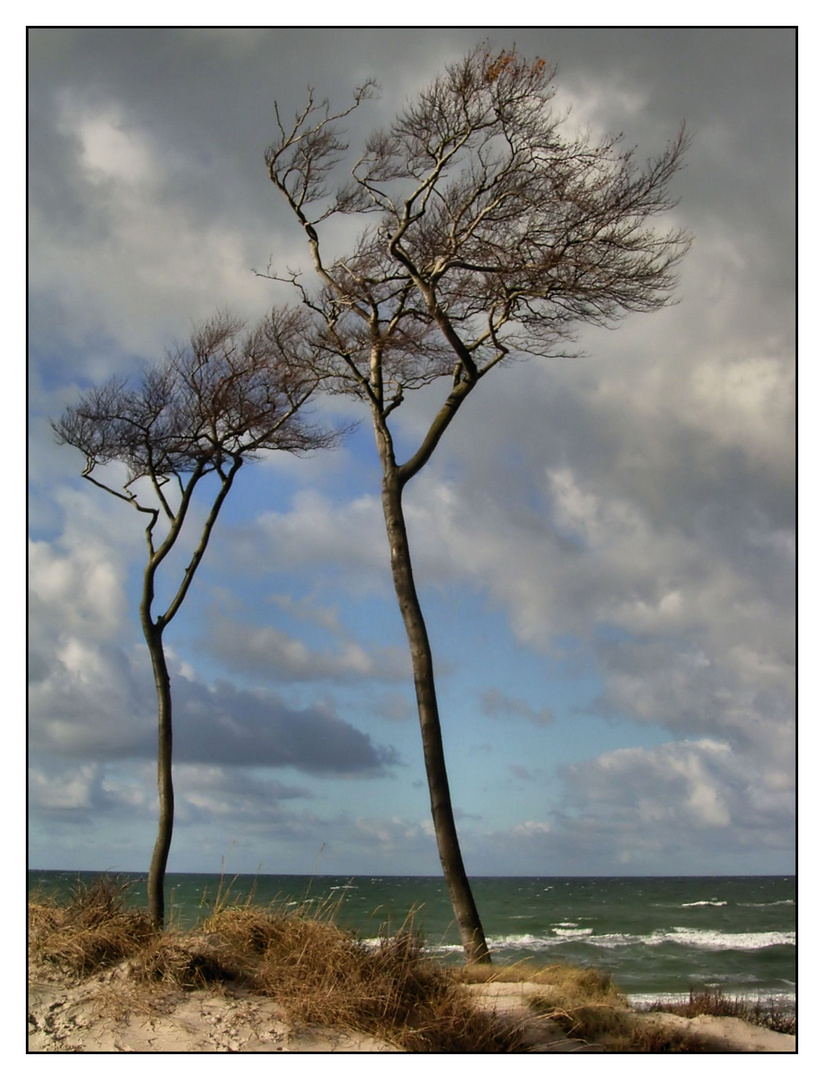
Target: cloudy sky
x=605 y=546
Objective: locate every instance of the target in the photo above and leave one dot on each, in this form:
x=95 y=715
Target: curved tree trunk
x=165 y=789
x=457 y=883
x=153 y=633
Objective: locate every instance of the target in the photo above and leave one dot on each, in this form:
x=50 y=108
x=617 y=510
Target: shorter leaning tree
x=222 y=399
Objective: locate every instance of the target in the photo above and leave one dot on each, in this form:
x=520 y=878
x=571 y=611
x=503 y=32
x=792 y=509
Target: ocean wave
x=719 y=939
x=522 y=942
x=430 y=948
x=703 y=940
x=771 y=903
x=705 y=903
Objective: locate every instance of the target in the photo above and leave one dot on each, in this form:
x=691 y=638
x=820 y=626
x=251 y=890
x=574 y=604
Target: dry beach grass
x=266 y=979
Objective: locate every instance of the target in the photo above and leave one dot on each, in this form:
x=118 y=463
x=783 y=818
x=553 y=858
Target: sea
x=658 y=937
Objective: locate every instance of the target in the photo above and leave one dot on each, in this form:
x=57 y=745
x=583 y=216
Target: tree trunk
x=157 y=869
x=457 y=883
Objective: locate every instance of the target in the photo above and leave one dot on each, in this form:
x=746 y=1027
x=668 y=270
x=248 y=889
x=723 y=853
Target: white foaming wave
x=538 y=942
x=443 y=949
x=705 y=940
x=430 y=948
x=717 y=939
x=771 y=903
x=523 y=942
x=709 y=940
x=706 y=903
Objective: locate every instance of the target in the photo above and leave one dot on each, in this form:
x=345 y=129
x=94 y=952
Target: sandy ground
x=724 y=1034
x=101 y=1015
x=106 y=1014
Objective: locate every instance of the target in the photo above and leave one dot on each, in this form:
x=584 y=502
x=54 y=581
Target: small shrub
x=651 y=1039
x=94 y=929
x=713 y=1002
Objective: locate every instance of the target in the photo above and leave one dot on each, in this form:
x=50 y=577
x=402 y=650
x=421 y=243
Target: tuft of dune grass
x=321 y=974
x=96 y=928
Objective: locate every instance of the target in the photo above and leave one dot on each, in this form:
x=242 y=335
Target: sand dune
x=107 y=1013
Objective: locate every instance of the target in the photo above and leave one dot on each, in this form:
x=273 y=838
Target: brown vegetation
x=94 y=929
x=586 y=1005
x=713 y=1002
x=321 y=975
x=317 y=972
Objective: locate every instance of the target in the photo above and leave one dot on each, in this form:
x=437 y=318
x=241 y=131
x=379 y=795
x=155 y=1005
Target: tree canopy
x=490 y=230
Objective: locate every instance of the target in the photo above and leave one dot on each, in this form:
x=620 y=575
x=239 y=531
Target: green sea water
x=657 y=936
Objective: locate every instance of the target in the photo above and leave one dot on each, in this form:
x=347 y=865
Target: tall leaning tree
x=190 y=422
x=489 y=232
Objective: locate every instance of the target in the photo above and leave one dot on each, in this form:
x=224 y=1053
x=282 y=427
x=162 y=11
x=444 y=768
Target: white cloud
x=109 y=149
x=675 y=788
x=748 y=402
x=318 y=533
x=392 y=832
x=532 y=828
x=73 y=790
x=76 y=581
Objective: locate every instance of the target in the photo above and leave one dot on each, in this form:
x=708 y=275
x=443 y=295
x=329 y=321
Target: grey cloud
x=495 y=703
x=674 y=533
x=739 y=695
x=89 y=701
x=236 y=797
x=73 y=794
x=114 y=267
x=91 y=690
x=270 y=652
x=247 y=727
x=97 y=704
